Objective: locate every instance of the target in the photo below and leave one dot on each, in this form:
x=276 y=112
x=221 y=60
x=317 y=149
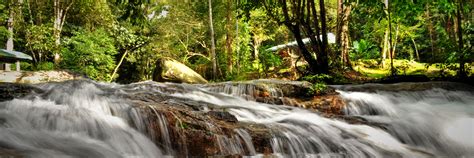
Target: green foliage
x=90 y=53
x=364 y=49
x=316 y=78
x=317 y=88
x=40 y=41
x=243 y=52
x=3 y=34
x=92 y=14
x=268 y=59
x=26 y=66
x=319 y=83
x=444 y=69
x=44 y=66
x=183 y=125
x=97 y=34
x=404 y=67
x=133 y=10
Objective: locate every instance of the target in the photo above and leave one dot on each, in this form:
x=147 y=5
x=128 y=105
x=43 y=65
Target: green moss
x=317 y=88
x=406 y=67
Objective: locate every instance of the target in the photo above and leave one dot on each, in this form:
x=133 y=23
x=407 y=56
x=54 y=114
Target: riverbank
x=371 y=71
x=32 y=77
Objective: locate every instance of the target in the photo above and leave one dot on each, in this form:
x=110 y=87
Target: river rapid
x=85 y=118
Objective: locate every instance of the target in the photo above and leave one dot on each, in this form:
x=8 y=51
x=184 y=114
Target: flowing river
x=89 y=119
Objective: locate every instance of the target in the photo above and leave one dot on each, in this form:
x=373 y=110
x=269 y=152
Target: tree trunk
x=431 y=32
x=295 y=29
x=346 y=38
x=323 y=55
x=9 y=44
x=462 y=72
x=387 y=6
x=238 y=43
x=229 y=40
x=339 y=23
x=451 y=28
x=213 y=45
x=256 y=45
x=57 y=29
x=60 y=11
x=313 y=64
x=304 y=16
x=385 y=48
x=395 y=42
x=118 y=66
x=342 y=32
x=416 y=50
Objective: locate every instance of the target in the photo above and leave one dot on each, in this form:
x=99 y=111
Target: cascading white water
x=88 y=119
x=73 y=119
x=245 y=136
x=298 y=132
x=248 y=90
x=437 y=121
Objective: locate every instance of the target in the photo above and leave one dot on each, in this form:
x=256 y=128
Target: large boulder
x=169 y=70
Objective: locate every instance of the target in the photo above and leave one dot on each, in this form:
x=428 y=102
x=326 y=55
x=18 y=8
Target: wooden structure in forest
x=331 y=39
x=9 y=56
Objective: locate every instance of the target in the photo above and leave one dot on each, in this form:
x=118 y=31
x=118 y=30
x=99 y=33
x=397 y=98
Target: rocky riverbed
x=266 y=117
x=196 y=128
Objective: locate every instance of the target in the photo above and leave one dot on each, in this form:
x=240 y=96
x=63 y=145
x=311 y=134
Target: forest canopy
x=120 y=40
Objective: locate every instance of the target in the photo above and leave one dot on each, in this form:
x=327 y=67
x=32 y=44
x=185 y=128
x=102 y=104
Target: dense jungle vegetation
x=120 y=40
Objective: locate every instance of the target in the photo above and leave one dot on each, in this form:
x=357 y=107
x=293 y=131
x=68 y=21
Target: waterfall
x=245 y=136
x=78 y=119
x=90 y=119
x=436 y=120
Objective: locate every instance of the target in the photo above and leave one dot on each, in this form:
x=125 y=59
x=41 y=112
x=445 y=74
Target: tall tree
x=213 y=45
x=344 y=9
x=459 y=10
x=14 y=10
x=385 y=46
x=9 y=44
x=229 y=37
x=340 y=6
x=60 y=7
x=302 y=19
x=260 y=30
x=431 y=30
x=387 y=7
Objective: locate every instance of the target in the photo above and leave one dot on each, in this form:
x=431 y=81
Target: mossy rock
x=170 y=70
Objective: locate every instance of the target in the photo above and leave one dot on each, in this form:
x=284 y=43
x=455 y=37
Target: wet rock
x=10 y=153
x=9 y=91
x=331 y=104
x=357 y=120
x=278 y=92
x=269 y=100
x=196 y=128
x=197 y=133
x=328 y=91
x=289 y=88
x=222 y=115
x=169 y=70
x=263 y=88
